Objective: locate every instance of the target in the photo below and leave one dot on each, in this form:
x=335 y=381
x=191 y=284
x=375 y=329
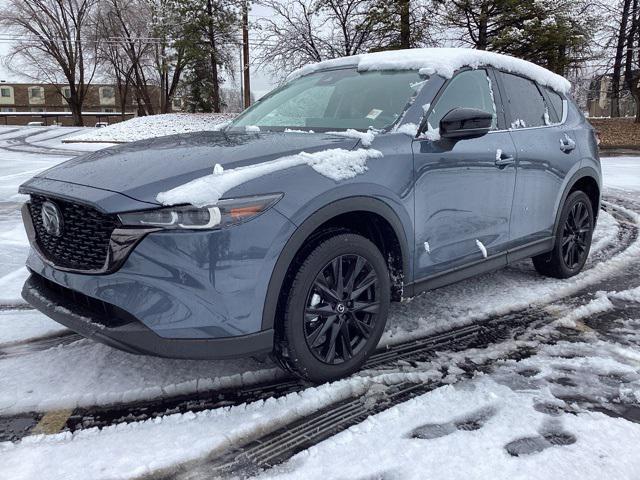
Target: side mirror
x=461 y=123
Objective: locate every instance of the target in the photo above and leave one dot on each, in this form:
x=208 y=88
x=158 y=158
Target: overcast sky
x=261 y=82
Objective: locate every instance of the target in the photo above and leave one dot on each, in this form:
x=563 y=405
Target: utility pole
x=245 y=54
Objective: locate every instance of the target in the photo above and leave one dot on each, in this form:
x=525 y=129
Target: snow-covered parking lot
x=509 y=375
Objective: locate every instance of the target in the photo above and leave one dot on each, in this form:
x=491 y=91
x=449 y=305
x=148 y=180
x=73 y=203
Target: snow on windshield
x=441 y=61
x=335 y=100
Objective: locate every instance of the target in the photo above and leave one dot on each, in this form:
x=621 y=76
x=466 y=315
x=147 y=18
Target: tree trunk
x=630 y=76
x=216 y=104
x=76 y=111
x=483 y=25
x=405 y=24
x=617 y=63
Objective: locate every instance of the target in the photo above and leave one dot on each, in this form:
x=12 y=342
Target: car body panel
x=225 y=283
x=462 y=198
x=162 y=163
x=190 y=284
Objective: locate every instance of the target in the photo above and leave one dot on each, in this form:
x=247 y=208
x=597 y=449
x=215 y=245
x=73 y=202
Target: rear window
x=555 y=109
x=526 y=103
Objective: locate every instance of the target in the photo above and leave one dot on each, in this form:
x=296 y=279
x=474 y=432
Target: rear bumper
x=113 y=326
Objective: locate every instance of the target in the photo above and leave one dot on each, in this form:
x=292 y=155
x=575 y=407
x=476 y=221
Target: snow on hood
x=337 y=164
x=441 y=61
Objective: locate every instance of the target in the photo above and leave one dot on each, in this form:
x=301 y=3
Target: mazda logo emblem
x=51 y=219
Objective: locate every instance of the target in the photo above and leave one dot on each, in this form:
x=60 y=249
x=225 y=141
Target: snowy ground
x=570 y=367
x=140 y=128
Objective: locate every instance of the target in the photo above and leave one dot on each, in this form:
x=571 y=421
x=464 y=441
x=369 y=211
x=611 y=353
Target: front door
x=464 y=188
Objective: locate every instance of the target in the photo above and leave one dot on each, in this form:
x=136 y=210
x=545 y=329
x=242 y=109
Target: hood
x=143 y=169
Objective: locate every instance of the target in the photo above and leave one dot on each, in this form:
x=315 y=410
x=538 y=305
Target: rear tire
x=334 y=319
x=572 y=240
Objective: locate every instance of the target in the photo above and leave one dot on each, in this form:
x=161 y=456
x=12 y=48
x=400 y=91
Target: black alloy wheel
x=576 y=235
x=341 y=310
x=336 y=308
x=572 y=240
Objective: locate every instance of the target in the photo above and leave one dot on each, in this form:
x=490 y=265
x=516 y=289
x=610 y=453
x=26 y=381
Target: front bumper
x=108 y=324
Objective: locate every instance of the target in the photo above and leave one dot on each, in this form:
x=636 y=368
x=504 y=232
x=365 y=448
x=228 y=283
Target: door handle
x=567 y=144
x=502 y=160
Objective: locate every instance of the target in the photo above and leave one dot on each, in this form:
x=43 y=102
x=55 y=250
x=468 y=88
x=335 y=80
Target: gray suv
x=290 y=231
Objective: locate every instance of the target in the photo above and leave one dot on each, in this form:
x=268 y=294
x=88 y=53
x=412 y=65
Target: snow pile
x=366 y=138
x=141 y=128
x=441 y=61
x=337 y=164
x=599 y=305
x=410 y=129
x=432 y=134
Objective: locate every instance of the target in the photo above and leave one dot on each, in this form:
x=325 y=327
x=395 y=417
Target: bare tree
x=126 y=40
x=169 y=52
x=618 y=59
x=53 y=45
x=303 y=31
x=112 y=55
x=632 y=57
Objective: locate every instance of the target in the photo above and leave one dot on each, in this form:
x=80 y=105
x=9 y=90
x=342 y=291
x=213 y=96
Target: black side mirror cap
x=461 y=123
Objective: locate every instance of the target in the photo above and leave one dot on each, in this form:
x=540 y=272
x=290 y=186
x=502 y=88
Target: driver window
x=468 y=89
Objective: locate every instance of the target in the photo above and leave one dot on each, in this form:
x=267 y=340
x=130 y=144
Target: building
x=21 y=103
x=599 y=98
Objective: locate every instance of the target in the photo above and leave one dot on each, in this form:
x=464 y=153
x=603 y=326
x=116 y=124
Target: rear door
x=546 y=152
x=464 y=188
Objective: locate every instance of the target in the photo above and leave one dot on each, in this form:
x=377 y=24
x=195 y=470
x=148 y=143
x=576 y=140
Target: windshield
x=334 y=100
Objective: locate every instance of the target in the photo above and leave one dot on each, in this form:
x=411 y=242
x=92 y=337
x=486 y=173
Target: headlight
x=224 y=213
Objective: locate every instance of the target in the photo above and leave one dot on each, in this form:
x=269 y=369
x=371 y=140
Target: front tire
x=336 y=309
x=572 y=241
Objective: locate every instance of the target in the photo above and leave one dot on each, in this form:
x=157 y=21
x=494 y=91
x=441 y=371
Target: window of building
x=108 y=110
x=107 y=95
x=525 y=102
x=7 y=109
x=468 y=89
x=37 y=109
x=6 y=95
x=36 y=92
x=66 y=93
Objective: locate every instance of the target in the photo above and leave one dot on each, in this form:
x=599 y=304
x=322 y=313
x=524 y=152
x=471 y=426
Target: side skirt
x=478 y=267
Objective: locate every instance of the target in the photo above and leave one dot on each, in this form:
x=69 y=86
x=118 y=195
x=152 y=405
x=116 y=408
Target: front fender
x=397 y=218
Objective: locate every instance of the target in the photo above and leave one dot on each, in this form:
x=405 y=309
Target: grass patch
x=617 y=132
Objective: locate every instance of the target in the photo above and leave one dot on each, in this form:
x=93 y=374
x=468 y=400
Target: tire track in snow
x=276 y=447
x=480 y=334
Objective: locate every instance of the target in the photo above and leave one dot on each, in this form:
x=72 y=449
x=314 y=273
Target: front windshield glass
x=335 y=100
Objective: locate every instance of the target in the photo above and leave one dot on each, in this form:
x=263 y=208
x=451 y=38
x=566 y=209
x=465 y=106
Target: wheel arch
x=585 y=179
x=324 y=220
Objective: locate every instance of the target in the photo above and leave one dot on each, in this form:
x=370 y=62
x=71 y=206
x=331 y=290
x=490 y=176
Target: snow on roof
x=441 y=61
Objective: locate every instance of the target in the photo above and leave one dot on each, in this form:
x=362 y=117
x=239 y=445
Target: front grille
x=84 y=241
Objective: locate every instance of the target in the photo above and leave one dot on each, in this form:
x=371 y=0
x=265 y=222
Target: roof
x=441 y=61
